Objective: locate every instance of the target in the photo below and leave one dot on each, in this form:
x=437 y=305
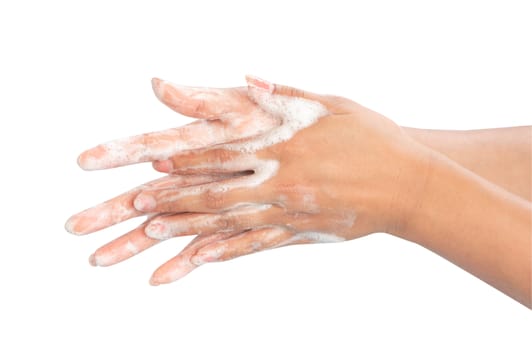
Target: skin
x=502 y=156
x=401 y=181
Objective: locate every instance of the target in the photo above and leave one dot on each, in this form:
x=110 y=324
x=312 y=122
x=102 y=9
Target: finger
x=180 y=265
x=191 y=101
x=157 y=145
x=235 y=117
x=296 y=112
x=243 y=244
x=104 y=214
x=162 y=145
x=257 y=240
x=238 y=219
x=212 y=160
x=284 y=90
x=278 y=89
x=123 y=247
x=121 y=208
x=163 y=166
x=199 y=102
x=333 y=104
x=216 y=196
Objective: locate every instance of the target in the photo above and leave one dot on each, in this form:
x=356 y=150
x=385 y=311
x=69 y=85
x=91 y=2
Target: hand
x=225 y=115
x=343 y=195
x=309 y=169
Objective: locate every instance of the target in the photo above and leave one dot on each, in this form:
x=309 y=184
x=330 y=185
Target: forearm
x=502 y=156
x=476 y=225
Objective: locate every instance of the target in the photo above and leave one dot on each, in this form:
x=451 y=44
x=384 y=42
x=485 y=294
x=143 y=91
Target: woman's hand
x=331 y=162
x=224 y=115
x=308 y=169
x=331 y=171
x=301 y=168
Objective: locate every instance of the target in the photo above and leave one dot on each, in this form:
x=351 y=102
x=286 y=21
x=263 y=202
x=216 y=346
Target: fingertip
x=94 y=158
x=92 y=260
x=172 y=270
x=144 y=202
x=156 y=230
x=71 y=226
x=83 y=161
x=163 y=166
x=154 y=281
x=197 y=260
x=207 y=255
x=160 y=277
x=156 y=85
x=79 y=160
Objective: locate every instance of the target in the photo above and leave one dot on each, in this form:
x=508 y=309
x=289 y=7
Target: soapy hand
x=299 y=168
x=224 y=115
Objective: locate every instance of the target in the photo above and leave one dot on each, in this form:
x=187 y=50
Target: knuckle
x=220 y=155
x=182 y=133
x=199 y=106
x=144 y=140
x=290 y=91
x=213 y=199
x=227 y=221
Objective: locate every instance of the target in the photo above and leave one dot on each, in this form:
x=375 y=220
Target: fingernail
x=92 y=260
x=156 y=230
x=156 y=85
x=259 y=83
x=70 y=225
x=144 y=202
x=154 y=281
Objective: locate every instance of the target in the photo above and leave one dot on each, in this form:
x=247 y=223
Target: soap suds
x=132 y=248
x=295 y=114
x=271 y=237
x=317 y=237
x=231 y=116
x=263 y=171
x=149 y=147
x=168 y=226
x=121 y=208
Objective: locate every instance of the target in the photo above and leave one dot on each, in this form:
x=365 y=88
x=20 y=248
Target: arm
x=474 y=224
x=502 y=156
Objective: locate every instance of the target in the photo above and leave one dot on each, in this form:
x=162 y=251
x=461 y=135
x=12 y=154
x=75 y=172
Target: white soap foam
x=132 y=248
x=296 y=114
x=197 y=223
x=311 y=237
x=263 y=171
x=140 y=148
x=318 y=237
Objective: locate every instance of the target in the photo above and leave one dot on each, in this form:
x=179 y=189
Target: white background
x=73 y=74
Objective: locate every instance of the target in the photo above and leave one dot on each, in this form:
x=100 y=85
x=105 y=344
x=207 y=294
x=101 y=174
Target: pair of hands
x=264 y=166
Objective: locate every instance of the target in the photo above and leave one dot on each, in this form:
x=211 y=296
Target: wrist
x=413 y=178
